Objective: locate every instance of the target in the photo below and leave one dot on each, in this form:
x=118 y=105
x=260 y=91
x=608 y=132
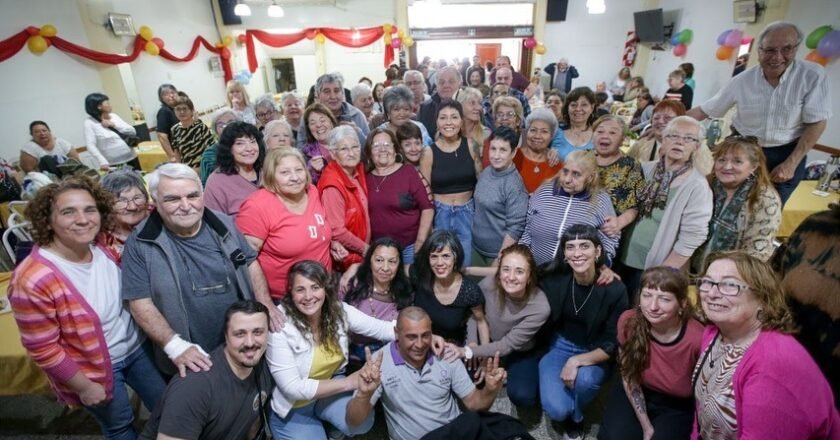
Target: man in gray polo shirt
x=417 y=389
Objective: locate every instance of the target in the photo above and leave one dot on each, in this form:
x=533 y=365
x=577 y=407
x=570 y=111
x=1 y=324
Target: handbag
x=129 y=139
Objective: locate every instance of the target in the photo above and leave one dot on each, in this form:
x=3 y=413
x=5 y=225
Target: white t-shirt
x=62 y=149
x=99 y=284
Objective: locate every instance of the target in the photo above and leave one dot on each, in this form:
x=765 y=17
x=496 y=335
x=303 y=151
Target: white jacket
x=106 y=146
x=290 y=354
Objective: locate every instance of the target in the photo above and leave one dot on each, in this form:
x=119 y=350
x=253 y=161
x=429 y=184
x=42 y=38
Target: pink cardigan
x=780 y=393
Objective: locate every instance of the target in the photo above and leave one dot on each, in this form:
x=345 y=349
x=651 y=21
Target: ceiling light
x=242 y=10
x=596 y=6
x=275 y=11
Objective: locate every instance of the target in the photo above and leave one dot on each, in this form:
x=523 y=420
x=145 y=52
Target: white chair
x=20 y=228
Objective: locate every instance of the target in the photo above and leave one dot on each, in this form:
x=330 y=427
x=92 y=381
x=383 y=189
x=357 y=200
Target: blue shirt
x=564 y=147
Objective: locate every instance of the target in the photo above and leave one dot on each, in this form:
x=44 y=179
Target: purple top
x=395 y=203
x=309 y=151
x=226 y=192
x=385 y=311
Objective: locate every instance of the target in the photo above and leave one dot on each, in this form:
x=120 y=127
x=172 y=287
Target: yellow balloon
x=320 y=38
x=401 y=34
x=408 y=42
x=48 y=30
x=37 y=44
x=540 y=49
x=146 y=32
x=152 y=48
x=387 y=28
x=387 y=39
x=227 y=40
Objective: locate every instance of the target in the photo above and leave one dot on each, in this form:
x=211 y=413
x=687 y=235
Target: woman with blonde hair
x=471 y=98
x=238 y=101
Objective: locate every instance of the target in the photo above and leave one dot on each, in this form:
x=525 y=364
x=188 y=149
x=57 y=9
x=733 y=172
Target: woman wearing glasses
x=646 y=149
x=507 y=112
x=130 y=207
x=754 y=380
x=674 y=207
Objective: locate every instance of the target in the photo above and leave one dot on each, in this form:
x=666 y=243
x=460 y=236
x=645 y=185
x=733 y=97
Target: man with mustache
x=229 y=400
x=183 y=267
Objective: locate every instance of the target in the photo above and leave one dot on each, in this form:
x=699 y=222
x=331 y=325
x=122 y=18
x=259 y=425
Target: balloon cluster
x=36 y=43
x=532 y=43
x=825 y=44
x=395 y=42
x=223 y=45
x=680 y=41
x=243 y=77
x=153 y=44
x=729 y=40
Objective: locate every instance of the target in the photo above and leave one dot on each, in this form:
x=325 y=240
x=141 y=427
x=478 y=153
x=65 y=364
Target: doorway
x=284 y=74
x=488 y=52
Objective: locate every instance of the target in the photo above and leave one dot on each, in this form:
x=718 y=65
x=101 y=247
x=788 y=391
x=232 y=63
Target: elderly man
x=448 y=81
x=415 y=81
x=562 y=73
x=417 y=389
x=227 y=401
x=783 y=102
x=329 y=90
x=518 y=82
x=505 y=76
x=183 y=267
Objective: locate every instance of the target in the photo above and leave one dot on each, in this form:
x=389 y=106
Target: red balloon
x=241 y=38
x=310 y=34
x=225 y=53
x=158 y=42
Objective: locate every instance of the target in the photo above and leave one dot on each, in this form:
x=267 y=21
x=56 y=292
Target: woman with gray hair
x=362 y=97
x=343 y=189
x=532 y=160
x=221 y=119
x=277 y=134
x=398 y=101
x=131 y=206
x=292 y=104
x=266 y=110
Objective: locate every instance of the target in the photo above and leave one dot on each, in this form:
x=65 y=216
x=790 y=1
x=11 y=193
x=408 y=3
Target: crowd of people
x=428 y=237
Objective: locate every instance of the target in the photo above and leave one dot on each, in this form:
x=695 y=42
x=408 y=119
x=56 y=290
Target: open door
x=488 y=52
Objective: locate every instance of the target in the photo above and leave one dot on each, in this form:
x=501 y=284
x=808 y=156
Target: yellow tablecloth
x=150 y=154
x=802 y=204
x=18 y=373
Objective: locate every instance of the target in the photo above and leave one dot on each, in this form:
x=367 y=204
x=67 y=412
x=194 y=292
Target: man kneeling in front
x=229 y=400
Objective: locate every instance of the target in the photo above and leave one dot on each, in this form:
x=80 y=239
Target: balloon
x=815 y=57
x=529 y=42
x=408 y=42
x=814 y=37
x=540 y=49
x=733 y=40
x=396 y=43
x=241 y=38
x=829 y=46
x=401 y=34
x=746 y=40
x=48 y=30
x=724 y=52
x=227 y=40
x=151 y=48
x=686 y=35
x=310 y=34
x=387 y=28
x=388 y=39
x=37 y=44
x=675 y=40
x=146 y=32
x=320 y=38
x=225 y=53
x=680 y=49
x=158 y=42
x=721 y=39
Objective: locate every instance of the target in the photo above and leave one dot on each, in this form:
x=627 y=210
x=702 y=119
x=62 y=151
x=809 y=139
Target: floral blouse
x=622 y=179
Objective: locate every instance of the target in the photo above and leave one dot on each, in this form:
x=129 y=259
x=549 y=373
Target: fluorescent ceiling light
x=596 y=6
x=275 y=11
x=242 y=10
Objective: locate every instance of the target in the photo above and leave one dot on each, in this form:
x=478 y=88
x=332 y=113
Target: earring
x=681 y=313
x=399 y=157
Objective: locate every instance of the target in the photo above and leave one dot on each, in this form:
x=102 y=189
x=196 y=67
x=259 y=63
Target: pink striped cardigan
x=58 y=328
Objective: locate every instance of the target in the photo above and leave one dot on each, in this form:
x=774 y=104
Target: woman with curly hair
x=578 y=117
x=658 y=346
x=72 y=321
x=239 y=155
x=754 y=380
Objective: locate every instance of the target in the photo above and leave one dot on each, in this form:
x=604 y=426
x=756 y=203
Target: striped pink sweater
x=58 y=328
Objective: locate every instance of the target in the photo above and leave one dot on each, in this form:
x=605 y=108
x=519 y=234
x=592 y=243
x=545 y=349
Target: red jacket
x=354 y=208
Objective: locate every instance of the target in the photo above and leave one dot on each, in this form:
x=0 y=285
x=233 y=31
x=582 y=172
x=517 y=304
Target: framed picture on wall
x=743 y=11
x=121 y=24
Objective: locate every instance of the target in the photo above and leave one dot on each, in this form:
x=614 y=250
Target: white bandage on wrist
x=177 y=346
x=468 y=353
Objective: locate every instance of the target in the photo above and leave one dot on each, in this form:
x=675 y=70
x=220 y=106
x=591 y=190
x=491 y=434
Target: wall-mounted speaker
x=556 y=10
x=228 y=17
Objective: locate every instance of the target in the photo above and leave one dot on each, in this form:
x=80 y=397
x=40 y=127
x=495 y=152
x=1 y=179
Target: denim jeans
x=558 y=401
x=523 y=384
x=408 y=254
x=138 y=371
x=306 y=422
x=458 y=219
x=777 y=155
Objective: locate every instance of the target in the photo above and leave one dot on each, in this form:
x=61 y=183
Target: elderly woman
x=573 y=196
x=292 y=105
x=506 y=112
x=646 y=149
x=620 y=175
x=644 y=111
x=104 y=131
x=658 y=346
x=237 y=99
x=42 y=144
x=471 y=99
x=344 y=190
x=554 y=101
x=221 y=119
x=190 y=137
x=131 y=206
x=410 y=138
x=578 y=117
x=397 y=102
x=451 y=167
x=634 y=88
x=532 y=159
x=619 y=85
x=319 y=121
x=747 y=209
x=240 y=156
x=583 y=320
x=399 y=205
x=73 y=323
x=362 y=98
x=167 y=94
x=278 y=134
x=285 y=221
x=265 y=111
x=754 y=380
x=674 y=207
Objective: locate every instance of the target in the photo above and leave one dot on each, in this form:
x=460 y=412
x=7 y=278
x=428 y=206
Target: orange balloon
x=816 y=57
x=724 y=53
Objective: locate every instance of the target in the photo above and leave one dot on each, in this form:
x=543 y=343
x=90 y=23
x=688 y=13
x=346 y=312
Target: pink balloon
x=396 y=43
x=733 y=40
x=829 y=45
x=746 y=40
x=680 y=50
x=530 y=42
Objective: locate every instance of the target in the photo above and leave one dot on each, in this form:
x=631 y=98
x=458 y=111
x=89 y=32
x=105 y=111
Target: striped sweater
x=552 y=210
x=59 y=329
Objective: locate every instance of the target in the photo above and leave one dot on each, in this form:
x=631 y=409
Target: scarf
x=655 y=192
x=723 y=228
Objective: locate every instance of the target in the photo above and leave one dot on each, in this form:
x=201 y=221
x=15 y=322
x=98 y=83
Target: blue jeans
x=777 y=155
x=408 y=254
x=139 y=372
x=458 y=219
x=523 y=385
x=558 y=401
x=306 y=422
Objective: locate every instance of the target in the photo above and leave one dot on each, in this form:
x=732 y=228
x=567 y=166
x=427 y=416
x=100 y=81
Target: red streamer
x=12 y=45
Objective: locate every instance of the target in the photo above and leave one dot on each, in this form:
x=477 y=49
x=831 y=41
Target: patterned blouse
x=623 y=180
x=191 y=141
x=714 y=392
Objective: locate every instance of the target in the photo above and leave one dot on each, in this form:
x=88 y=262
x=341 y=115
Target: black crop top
x=452 y=172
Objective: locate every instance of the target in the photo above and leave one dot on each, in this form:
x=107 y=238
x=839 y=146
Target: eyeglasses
x=683 y=139
x=263 y=115
x=346 y=150
x=785 y=51
x=727 y=288
x=505 y=115
x=382 y=146
x=138 y=200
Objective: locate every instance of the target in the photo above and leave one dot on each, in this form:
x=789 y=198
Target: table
x=801 y=204
x=150 y=154
x=18 y=373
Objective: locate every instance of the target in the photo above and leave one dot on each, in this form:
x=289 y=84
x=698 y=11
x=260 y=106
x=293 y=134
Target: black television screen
x=649 y=26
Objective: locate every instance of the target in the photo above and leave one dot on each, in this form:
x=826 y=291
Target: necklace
x=574 y=302
x=381 y=182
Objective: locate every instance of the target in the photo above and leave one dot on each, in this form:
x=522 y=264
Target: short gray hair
x=123 y=180
x=413 y=73
x=175 y=171
x=218 y=115
x=289 y=95
x=328 y=78
x=359 y=90
x=779 y=25
x=451 y=69
x=339 y=133
x=542 y=114
x=265 y=101
x=684 y=120
x=396 y=96
x=272 y=126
